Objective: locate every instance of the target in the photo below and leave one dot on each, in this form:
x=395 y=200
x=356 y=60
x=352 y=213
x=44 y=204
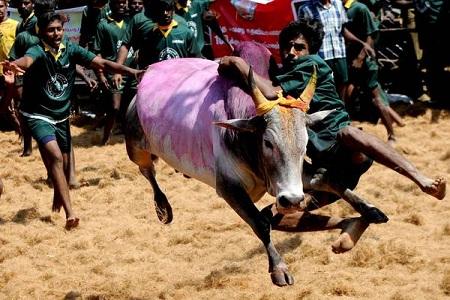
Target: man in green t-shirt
x=157 y=34
x=197 y=13
x=24 y=40
x=94 y=11
x=168 y=39
x=363 y=70
x=26 y=12
x=135 y=7
x=109 y=35
x=49 y=69
x=22 y=43
x=343 y=150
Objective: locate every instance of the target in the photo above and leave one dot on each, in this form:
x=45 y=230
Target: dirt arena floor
x=121 y=251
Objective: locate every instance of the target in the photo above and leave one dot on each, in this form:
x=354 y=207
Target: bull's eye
x=268 y=144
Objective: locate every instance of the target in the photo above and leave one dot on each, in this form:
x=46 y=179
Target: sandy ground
x=121 y=251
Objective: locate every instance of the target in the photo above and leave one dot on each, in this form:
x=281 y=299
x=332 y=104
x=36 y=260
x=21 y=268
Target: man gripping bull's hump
x=343 y=150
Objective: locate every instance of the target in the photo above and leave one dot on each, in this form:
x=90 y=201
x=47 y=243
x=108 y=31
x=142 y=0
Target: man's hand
x=117 y=80
x=10 y=66
x=104 y=82
x=92 y=83
x=357 y=63
x=368 y=49
x=227 y=66
x=9 y=77
x=138 y=74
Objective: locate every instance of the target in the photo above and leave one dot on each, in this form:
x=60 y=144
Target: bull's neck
x=245 y=147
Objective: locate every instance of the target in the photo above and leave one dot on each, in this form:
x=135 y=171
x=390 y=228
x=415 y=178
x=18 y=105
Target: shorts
x=340 y=70
x=338 y=160
x=367 y=76
x=44 y=132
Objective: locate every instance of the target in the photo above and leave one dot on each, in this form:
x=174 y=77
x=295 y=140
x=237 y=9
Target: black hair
x=311 y=30
x=44 y=6
x=48 y=17
x=155 y=7
x=170 y=4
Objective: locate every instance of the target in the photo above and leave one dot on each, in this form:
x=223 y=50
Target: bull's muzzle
x=290 y=202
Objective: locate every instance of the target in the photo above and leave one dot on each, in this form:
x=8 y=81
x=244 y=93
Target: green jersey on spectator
x=49 y=81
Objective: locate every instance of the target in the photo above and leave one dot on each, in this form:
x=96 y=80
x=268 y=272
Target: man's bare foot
x=436 y=188
x=350 y=234
x=25 y=153
x=72 y=223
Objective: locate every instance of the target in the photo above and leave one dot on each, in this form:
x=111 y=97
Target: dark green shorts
x=44 y=132
x=340 y=69
x=338 y=160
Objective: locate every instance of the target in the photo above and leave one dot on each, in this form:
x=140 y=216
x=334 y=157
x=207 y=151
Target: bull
x=207 y=127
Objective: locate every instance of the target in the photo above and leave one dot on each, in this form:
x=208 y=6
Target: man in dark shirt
x=26 y=12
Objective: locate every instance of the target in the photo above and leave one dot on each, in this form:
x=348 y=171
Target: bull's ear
x=249 y=125
x=317 y=117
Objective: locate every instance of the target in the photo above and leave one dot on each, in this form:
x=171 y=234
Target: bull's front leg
x=239 y=200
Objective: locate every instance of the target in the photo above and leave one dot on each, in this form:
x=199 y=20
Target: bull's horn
x=308 y=92
x=256 y=93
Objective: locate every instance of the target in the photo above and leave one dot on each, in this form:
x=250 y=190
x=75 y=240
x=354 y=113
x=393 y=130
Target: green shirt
x=375 y=7
x=28 y=24
x=194 y=20
x=108 y=39
x=139 y=27
x=294 y=80
x=179 y=43
x=22 y=43
x=138 y=30
x=48 y=83
x=361 y=24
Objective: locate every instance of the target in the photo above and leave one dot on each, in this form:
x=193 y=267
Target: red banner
x=245 y=20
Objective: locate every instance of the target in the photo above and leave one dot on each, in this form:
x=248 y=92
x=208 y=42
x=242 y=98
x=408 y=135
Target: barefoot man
x=333 y=144
x=344 y=151
x=49 y=69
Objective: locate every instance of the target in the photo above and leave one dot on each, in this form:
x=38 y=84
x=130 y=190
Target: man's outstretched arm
x=236 y=67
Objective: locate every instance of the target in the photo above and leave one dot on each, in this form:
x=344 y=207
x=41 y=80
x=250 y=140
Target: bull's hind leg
x=139 y=152
x=351 y=228
x=162 y=205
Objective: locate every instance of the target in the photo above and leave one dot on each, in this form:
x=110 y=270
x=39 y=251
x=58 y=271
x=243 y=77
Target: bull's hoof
x=281 y=278
x=163 y=209
x=375 y=216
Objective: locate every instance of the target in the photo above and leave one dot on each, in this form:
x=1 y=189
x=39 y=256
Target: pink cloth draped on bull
x=205 y=126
